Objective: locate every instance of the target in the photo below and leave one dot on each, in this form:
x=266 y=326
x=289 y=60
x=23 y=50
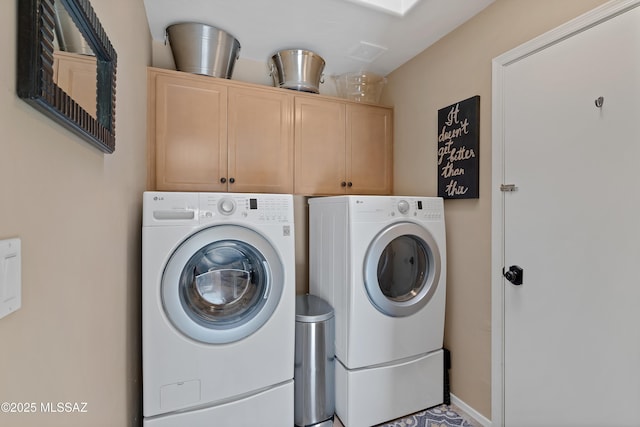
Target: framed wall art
x=458 y=150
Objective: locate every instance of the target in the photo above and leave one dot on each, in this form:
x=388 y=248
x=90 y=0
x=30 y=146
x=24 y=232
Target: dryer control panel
x=373 y=208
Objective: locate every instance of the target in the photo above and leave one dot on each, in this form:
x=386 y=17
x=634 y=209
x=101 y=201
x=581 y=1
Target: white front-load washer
x=218 y=309
x=380 y=261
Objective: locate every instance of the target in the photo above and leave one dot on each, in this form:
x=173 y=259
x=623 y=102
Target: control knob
x=403 y=206
x=226 y=206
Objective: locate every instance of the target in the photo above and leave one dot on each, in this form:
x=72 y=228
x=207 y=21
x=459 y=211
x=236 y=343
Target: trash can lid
x=311 y=308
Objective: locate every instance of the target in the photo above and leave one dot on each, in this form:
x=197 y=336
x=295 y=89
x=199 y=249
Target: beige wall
x=77 y=210
x=456 y=68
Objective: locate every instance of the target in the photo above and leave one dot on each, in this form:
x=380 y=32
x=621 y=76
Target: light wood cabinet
x=342 y=148
x=260 y=139
x=320 y=140
x=210 y=134
x=206 y=134
x=77 y=75
x=190 y=134
x=369 y=149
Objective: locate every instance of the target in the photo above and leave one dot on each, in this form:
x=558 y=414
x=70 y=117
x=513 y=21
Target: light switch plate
x=10 y=276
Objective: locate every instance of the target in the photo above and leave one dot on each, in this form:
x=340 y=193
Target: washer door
x=402 y=269
x=222 y=284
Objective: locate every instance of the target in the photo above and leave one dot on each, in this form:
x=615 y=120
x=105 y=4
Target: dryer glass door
x=222 y=284
x=402 y=269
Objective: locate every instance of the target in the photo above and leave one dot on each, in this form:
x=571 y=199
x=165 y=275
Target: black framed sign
x=458 y=150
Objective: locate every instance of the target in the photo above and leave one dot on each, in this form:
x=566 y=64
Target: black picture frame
x=35 y=85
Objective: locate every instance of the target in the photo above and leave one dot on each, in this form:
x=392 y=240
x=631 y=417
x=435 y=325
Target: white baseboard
x=470 y=411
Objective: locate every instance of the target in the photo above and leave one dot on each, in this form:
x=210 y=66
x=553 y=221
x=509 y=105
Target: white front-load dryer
x=218 y=307
x=380 y=261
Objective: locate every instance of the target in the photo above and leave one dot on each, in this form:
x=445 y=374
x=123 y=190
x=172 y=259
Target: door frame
x=499 y=65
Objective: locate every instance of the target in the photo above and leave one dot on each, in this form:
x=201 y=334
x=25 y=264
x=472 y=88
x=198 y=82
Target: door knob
x=514 y=274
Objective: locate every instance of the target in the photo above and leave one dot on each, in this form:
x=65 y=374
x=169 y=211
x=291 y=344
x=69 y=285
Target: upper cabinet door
x=320 y=166
x=190 y=134
x=260 y=140
x=369 y=149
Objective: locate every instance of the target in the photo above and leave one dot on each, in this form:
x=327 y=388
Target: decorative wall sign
x=458 y=150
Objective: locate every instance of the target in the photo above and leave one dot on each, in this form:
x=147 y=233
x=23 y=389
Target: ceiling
x=349 y=34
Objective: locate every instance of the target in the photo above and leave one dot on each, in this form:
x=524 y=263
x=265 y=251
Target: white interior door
x=572 y=329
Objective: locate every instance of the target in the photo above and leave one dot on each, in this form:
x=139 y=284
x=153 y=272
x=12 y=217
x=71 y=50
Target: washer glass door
x=402 y=269
x=222 y=284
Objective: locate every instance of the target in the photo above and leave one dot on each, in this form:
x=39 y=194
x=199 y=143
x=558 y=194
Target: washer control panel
x=181 y=208
x=262 y=208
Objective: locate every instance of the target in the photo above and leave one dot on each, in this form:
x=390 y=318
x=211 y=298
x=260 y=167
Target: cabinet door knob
x=223 y=180
x=350 y=184
x=343 y=184
x=232 y=180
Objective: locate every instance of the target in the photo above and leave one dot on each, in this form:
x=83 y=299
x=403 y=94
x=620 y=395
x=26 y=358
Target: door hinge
x=508 y=187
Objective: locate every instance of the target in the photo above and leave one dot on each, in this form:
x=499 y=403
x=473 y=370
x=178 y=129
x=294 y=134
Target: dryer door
x=402 y=269
x=222 y=284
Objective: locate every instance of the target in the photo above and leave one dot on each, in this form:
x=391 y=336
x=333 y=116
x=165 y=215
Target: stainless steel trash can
x=314 y=370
